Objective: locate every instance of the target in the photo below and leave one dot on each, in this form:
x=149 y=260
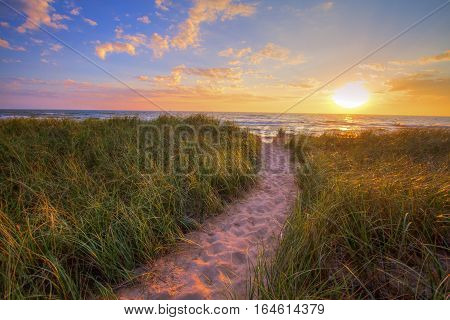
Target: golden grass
x=78 y=213
x=372 y=220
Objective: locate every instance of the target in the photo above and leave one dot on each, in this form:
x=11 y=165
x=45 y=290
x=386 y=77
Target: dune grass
x=371 y=222
x=78 y=212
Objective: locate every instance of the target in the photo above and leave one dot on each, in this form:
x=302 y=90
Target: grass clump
x=79 y=210
x=371 y=222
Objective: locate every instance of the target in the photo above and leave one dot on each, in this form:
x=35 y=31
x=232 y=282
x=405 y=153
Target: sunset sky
x=223 y=55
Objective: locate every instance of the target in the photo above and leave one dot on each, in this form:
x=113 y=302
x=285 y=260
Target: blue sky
x=222 y=55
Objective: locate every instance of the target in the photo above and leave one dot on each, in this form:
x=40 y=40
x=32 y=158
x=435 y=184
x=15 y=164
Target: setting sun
x=351 y=95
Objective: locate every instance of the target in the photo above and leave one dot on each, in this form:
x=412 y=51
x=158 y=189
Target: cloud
x=82 y=85
x=373 y=66
x=20 y=92
x=242 y=52
x=320 y=8
x=114 y=47
x=214 y=74
x=144 y=19
x=56 y=47
x=143 y=78
x=5 y=44
x=230 y=52
x=37 y=41
x=226 y=53
x=233 y=74
x=11 y=60
x=136 y=39
x=308 y=83
x=37 y=12
x=60 y=17
x=207 y=11
x=162 y=4
x=445 y=56
x=188 y=31
x=90 y=22
x=420 y=84
x=275 y=52
x=159 y=45
x=75 y=11
x=326 y=5
x=173 y=79
x=45 y=53
x=4 y=24
x=235 y=54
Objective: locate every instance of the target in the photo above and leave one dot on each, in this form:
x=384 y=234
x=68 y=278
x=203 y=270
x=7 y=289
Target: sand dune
x=215 y=262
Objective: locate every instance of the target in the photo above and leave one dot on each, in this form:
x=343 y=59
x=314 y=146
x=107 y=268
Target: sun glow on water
x=351 y=95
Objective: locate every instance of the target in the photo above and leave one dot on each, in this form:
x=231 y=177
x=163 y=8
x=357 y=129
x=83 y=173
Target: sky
x=223 y=55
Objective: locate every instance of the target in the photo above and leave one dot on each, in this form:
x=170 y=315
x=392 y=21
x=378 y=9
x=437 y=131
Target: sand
x=215 y=262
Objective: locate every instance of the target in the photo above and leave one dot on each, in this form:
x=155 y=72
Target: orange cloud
x=37 y=12
x=226 y=53
x=215 y=75
x=136 y=39
x=445 y=56
x=420 y=84
x=373 y=66
x=207 y=11
x=308 y=83
x=143 y=78
x=159 y=45
x=103 y=49
x=188 y=31
x=173 y=79
x=234 y=74
x=73 y=94
x=230 y=52
x=275 y=52
x=234 y=62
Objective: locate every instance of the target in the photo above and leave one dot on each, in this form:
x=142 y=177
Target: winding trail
x=215 y=262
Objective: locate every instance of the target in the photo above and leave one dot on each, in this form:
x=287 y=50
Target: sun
x=351 y=95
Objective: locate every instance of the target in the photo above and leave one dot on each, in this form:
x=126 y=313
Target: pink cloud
x=38 y=13
x=5 y=44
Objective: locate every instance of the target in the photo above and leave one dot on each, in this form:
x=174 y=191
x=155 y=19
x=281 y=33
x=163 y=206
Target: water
x=265 y=124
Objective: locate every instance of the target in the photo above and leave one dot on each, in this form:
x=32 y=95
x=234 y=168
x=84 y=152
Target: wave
x=262 y=124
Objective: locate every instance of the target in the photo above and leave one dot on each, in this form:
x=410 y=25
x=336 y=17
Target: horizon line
x=242 y=112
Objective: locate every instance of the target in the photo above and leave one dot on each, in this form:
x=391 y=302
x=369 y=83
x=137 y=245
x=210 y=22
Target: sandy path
x=216 y=260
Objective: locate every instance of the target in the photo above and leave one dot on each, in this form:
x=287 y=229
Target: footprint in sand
x=216 y=260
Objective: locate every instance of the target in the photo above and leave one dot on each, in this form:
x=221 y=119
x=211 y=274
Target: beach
x=200 y=208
